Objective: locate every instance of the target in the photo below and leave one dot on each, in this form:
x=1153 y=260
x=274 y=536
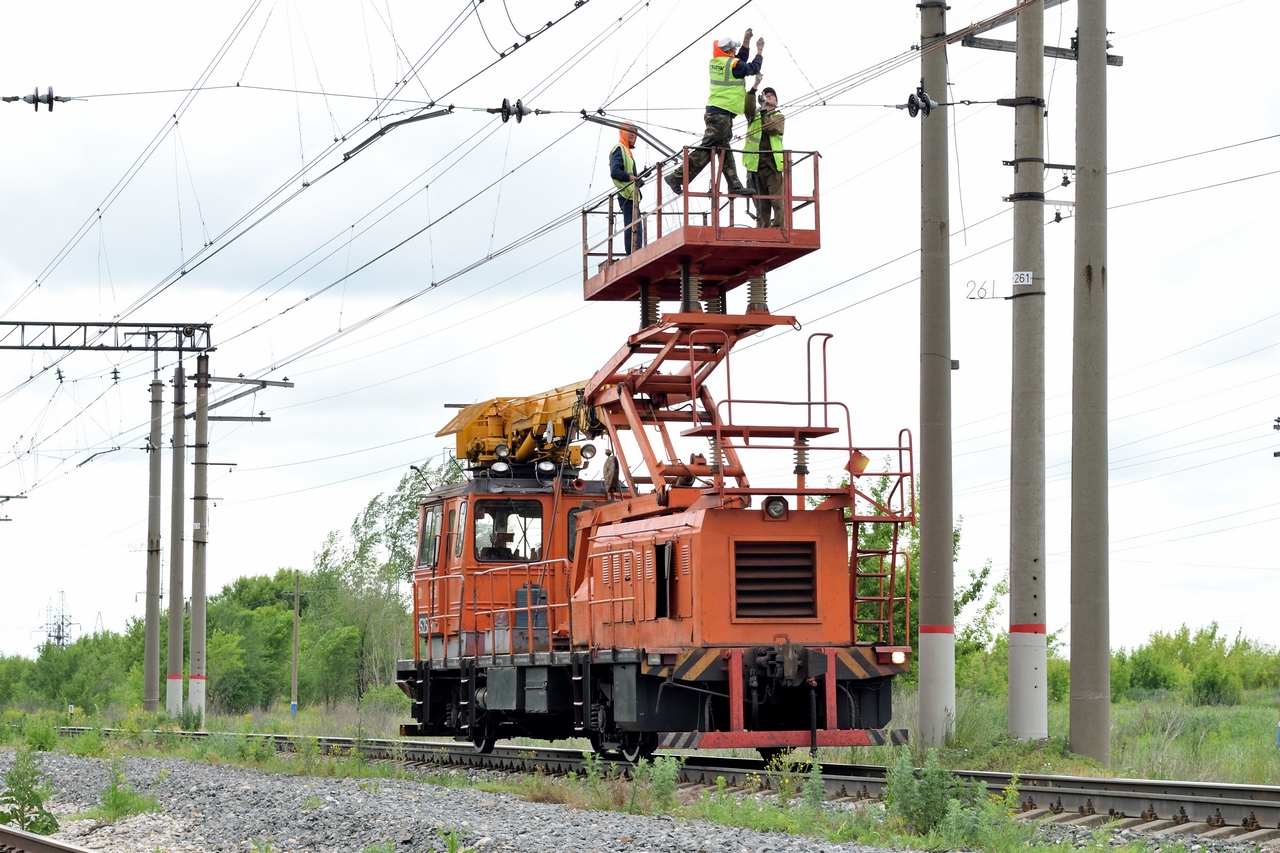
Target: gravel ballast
x=214 y=807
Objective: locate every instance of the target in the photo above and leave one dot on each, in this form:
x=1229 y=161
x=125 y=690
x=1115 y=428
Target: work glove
x=759 y=78
x=759 y=45
x=746 y=39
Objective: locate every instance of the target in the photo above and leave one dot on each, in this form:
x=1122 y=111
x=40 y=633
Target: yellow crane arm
x=532 y=429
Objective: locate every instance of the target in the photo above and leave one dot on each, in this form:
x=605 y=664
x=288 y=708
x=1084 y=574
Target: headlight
x=588 y=451
x=546 y=466
x=500 y=467
x=775 y=507
x=898 y=657
x=502 y=451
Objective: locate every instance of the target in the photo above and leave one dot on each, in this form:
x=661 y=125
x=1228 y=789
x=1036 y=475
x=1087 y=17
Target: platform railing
x=659 y=210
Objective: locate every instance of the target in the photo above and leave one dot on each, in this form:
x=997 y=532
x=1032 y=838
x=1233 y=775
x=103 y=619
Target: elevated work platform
x=707 y=235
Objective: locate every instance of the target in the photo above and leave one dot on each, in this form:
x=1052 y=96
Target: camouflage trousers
x=768 y=182
x=716 y=139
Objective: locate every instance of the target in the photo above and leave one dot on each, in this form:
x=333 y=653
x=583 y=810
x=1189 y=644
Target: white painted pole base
x=173 y=695
x=937 y=688
x=1028 y=686
x=195 y=696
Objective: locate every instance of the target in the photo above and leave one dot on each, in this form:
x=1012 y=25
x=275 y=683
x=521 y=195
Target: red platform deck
x=722 y=261
x=717 y=243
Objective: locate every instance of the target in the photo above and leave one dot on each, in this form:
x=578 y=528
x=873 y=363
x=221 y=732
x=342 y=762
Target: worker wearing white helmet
x=729 y=69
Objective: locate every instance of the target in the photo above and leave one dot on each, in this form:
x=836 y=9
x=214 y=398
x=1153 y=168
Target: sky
x=205 y=174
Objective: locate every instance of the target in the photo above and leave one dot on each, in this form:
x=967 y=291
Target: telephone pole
x=297 y=591
x=131 y=337
x=200 y=522
x=177 y=522
x=151 y=650
x=937 y=654
x=1090 y=732
x=1028 y=689
x=200 y=538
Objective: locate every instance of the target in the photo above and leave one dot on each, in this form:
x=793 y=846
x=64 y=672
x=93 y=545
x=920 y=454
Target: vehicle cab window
x=508 y=530
x=429 y=544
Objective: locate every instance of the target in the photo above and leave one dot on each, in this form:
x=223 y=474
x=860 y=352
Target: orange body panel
x=620 y=605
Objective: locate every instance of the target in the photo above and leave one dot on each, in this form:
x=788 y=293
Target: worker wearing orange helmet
x=729 y=69
x=622 y=169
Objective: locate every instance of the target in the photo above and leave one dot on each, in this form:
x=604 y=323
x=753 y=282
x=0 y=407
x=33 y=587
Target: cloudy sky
x=205 y=174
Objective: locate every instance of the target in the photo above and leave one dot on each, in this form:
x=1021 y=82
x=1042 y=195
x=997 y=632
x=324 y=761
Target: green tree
x=1213 y=683
x=358 y=582
x=230 y=687
x=15 y=673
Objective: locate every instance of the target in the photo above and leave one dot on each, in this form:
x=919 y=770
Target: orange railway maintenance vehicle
x=692 y=608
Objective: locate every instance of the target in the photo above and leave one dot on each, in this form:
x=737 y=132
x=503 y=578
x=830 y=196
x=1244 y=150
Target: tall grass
x=1161 y=736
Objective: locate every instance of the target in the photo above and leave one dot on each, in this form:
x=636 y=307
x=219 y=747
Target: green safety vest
x=626 y=189
x=726 y=90
x=751 y=157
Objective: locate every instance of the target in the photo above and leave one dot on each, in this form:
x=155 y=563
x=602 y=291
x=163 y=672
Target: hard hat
x=729 y=45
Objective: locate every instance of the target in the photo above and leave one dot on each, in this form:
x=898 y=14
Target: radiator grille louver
x=775 y=580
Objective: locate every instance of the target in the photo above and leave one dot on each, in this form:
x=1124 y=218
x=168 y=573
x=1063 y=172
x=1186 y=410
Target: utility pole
x=1028 y=689
x=1090 y=727
x=200 y=521
x=132 y=337
x=177 y=518
x=297 y=592
x=151 y=651
x=200 y=538
x=937 y=653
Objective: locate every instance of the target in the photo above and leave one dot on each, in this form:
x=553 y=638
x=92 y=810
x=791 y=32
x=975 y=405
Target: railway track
x=1242 y=813
x=16 y=841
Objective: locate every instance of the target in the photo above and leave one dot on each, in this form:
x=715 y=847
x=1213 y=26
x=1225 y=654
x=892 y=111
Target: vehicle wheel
x=637 y=747
x=485 y=735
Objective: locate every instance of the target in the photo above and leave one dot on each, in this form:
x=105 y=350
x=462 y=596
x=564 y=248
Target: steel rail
x=1227 y=810
x=14 y=840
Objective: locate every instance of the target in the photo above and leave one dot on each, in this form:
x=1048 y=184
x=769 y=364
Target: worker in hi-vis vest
x=762 y=156
x=729 y=70
x=622 y=168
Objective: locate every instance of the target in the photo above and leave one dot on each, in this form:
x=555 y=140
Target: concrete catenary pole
x=937 y=652
x=151 y=643
x=177 y=516
x=199 y=539
x=1090 y=728
x=1028 y=690
x=297 y=594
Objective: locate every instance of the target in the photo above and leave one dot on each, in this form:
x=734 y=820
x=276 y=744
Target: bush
x=664 y=777
x=90 y=744
x=40 y=734
x=386 y=699
x=120 y=800
x=1213 y=684
x=1058 y=678
x=919 y=801
x=1153 y=667
x=26 y=791
x=191 y=719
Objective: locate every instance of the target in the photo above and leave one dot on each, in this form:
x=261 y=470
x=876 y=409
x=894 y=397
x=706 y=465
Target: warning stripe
x=857 y=663
x=695 y=662
x=1028 y=628
x=680 y=740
